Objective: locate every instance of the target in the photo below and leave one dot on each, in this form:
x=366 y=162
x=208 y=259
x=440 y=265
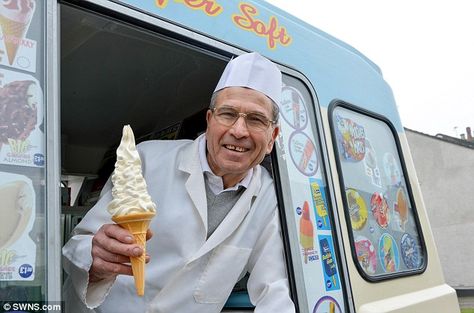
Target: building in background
x=445 y=170
x=467 y=136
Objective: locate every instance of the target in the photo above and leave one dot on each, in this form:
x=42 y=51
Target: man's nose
x=239 y=129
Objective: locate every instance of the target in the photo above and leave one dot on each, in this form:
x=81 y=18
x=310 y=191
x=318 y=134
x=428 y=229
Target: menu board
x=22 y=147
x=385 y=236
x=305 y=189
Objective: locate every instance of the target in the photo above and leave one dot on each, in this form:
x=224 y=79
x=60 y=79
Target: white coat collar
x=189 y=162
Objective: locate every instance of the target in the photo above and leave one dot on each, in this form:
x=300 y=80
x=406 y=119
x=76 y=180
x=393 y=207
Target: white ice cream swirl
x=129 y=192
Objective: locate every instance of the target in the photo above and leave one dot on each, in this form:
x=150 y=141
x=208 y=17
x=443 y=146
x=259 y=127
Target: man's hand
x=112 y=246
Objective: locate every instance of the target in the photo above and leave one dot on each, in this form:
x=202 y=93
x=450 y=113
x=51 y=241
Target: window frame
x=386 y=276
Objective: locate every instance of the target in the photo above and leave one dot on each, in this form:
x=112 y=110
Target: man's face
x=233 y=150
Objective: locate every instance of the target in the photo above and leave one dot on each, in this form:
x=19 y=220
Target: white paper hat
x=253 y=71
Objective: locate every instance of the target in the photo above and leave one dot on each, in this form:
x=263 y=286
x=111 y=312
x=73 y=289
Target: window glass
x=381 y=217
x=306 y=202
x=22 y=153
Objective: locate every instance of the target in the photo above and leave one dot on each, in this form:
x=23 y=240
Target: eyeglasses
x=253 y=120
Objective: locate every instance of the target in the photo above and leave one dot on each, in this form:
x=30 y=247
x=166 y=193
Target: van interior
x=114 y=74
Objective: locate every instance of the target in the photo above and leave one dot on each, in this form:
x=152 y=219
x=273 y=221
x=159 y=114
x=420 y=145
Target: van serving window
x=380 y=213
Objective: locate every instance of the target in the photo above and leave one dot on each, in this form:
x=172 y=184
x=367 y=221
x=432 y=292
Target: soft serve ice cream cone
x=15 y=17
x=131 y=207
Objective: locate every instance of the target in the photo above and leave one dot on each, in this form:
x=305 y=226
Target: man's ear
x=208 y=116
x=275 y=132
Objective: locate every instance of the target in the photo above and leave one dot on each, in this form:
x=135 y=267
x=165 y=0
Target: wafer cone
x=137 y=224
x=13 y=33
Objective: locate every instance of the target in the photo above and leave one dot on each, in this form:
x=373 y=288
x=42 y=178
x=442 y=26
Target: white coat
x=187 y=273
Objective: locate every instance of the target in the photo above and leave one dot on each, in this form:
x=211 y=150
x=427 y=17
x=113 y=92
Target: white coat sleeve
x=77 y=257
x=268 y=281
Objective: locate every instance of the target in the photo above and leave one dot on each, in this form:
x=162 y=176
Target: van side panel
x=336 y=71
x=441 y=298
x=426 y=292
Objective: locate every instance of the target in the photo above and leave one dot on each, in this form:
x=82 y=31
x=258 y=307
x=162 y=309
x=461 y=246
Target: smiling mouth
x=235 y=148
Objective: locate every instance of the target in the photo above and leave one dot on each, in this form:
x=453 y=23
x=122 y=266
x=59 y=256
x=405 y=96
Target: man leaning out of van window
x=217 y=217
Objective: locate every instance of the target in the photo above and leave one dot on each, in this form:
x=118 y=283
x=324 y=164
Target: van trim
x=53 y=160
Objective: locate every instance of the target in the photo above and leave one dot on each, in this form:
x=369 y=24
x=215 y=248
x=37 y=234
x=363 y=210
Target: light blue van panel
x=336 y=70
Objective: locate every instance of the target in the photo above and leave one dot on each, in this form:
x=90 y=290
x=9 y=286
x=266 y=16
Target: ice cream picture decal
x=15 y=18
x=131 y=207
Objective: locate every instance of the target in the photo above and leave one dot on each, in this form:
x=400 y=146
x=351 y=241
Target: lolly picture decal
x=17 y=50
x=327 y=304
x=401 y=209
x=351 y=139
x=366 y=254
x=380 y=209
x=293 y=108
x=18 y=105
x=388 y=254
x=410 y=252
x=357 y=209
x=370 y=162
x=303 y=153
x=319 y=202
x=329 y=263
x=21 y=118
x=306 y=232
x=392 y=171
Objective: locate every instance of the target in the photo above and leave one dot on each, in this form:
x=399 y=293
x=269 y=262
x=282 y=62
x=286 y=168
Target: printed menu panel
x=307 y=192
x=382 y=219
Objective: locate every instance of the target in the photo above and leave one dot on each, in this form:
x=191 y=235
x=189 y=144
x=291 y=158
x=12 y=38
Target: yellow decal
x=272 y=31
x=319 y=202
x=18 y=146
x=210 y=7
x=6 y=257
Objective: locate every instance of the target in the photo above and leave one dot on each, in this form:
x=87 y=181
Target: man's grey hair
x=275 y=109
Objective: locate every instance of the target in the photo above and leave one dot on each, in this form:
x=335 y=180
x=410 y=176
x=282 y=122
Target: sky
x=425 y=50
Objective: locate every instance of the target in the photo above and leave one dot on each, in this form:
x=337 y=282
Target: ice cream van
x=73 y=72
